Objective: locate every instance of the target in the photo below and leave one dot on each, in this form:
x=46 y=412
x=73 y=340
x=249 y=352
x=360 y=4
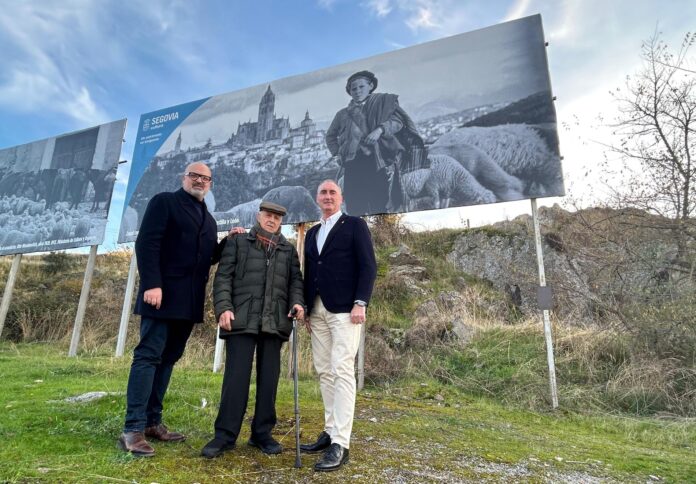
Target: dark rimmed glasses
x=197 y=176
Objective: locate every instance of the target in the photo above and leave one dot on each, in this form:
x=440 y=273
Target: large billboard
x=55 y=193
x=459 y=121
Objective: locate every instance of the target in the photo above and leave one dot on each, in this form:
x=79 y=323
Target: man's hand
x=358 y=314
x=225 y=321
x=153 y=297
x=372 y=138
x=236 y=230
x=299 y=314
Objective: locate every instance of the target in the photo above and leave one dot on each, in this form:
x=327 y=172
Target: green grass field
x=407 y=431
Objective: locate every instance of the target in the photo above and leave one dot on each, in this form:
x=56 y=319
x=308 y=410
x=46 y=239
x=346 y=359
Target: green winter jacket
x=258 y=291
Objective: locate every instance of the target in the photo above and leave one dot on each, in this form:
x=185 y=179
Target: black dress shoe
x=216 y=448
x=322 y=443
x=332 y=460
x=267 y=445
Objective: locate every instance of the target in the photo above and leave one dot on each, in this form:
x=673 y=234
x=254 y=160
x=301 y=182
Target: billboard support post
x=546 y=319
x=361 y=357
x=7 y=295
x=219 y=345
x=300 y=228
x=125 y=312
x=82 y=305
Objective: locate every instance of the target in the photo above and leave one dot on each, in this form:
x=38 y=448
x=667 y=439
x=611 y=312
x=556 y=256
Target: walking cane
x=298 y=461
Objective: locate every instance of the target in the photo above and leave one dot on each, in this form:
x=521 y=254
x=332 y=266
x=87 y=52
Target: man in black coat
x=340 y=272
x=176 y=245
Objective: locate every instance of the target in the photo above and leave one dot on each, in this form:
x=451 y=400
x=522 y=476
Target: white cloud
x=82 y=107
x=422 y=18
x=38 y=79
x=518 y=9
x=381 y=8
x=62 y=57
x=436 y=18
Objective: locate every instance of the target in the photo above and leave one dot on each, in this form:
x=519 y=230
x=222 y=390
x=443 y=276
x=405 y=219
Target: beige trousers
x=335 y=342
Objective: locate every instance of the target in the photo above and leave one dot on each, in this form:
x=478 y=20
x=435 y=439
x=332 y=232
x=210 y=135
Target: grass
x=433 y=410
x=410 y=430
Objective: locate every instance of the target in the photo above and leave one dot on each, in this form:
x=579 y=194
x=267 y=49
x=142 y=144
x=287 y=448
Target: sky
x=73 y=64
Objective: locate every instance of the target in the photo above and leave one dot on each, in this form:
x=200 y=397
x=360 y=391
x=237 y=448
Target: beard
x=198 y=192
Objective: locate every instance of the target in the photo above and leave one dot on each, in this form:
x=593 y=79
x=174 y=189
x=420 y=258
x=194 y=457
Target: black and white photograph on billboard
x=464 y=120
x=55 y=193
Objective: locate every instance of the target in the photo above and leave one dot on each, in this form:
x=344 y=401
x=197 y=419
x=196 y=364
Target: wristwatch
x=360 y=303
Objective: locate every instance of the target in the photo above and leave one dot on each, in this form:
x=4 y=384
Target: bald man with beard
x=176 y=245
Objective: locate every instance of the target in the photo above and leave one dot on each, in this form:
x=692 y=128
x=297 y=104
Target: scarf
x=265 y=240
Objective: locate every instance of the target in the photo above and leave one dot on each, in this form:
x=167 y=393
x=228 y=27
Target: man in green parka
x=257 y=285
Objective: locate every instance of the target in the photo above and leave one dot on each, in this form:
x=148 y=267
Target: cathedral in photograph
x=268 y=128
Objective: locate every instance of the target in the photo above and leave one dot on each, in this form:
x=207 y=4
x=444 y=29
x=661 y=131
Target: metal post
x=361 y=357
x=126 y=310
x=219 y=346
x=300 y=243
x=300 y=252
x=296 y=394
x=547 y=322
x=82 y=305
x=7 y=295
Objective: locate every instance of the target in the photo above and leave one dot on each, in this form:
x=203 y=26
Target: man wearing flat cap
x=257 y=284
x=373 y=138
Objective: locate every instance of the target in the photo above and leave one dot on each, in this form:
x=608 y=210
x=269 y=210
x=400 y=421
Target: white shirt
x=325 y=228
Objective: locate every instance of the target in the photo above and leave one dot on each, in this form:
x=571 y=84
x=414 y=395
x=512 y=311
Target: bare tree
x=655 y=129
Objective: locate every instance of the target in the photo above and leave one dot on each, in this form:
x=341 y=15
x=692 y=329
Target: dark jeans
x=235 y=386
x=162 y=342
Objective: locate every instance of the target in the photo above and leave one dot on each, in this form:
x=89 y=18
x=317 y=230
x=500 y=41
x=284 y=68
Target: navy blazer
x=346 y=268
x=175 y=248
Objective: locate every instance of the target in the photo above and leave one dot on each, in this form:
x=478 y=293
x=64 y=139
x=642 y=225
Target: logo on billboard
x=157 y=122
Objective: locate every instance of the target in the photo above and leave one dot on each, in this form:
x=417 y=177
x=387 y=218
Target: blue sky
x=73 y=64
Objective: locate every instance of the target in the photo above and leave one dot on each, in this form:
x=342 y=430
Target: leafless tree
x=655 y=131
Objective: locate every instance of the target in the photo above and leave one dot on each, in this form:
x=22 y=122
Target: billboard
x=55 y=193
x=464 y=120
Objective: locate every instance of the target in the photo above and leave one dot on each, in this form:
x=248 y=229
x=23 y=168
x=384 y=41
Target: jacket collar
x=187 y=203
x=334 y=230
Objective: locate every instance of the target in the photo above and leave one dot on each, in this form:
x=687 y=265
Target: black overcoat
x=175 y=248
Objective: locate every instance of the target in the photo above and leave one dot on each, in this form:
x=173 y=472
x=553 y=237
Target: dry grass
x=409 y=336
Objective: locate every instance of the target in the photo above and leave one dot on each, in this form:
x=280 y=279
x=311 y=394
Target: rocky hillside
x=596 y=260
x=460 y=306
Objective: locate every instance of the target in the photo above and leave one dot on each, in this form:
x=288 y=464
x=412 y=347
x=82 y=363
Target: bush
x=58 y=262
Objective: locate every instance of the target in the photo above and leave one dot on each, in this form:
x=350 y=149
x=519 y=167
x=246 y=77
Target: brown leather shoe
x=161 y=432
x=135 y=443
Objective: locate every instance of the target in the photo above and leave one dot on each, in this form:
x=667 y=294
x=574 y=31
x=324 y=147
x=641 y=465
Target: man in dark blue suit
x=176 y=245
x=340 y=271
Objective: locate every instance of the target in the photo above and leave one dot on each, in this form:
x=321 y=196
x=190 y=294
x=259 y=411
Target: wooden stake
x=82 y=305
x=7 y=295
